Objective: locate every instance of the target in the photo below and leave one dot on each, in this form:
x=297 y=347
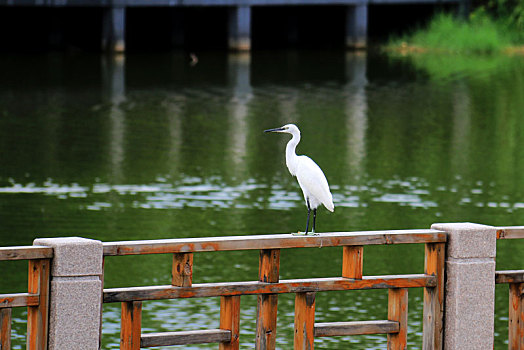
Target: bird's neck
x=291 y=156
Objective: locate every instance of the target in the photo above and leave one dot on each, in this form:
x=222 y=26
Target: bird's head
x=288 y=129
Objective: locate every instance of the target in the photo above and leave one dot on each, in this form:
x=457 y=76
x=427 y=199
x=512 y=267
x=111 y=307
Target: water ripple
x=215 y=193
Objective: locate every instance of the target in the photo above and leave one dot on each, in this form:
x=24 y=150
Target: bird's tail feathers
x=330 y=206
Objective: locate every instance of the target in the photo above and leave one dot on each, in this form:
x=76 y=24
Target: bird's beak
x=274 y=130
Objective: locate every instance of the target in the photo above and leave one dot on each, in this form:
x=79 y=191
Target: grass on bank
x=446 y=33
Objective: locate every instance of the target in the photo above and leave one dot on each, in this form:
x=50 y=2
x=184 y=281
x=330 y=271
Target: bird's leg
x=308 y=213
x=314 y=219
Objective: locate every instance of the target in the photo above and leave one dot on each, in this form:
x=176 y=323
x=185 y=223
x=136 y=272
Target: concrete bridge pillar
x=75 y=303
x=113 y=29
x=240 y=28
x=177 y=28
x=357 y=26
x=470 y=286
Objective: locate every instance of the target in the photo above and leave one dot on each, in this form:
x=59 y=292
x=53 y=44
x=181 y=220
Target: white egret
x=310 y=177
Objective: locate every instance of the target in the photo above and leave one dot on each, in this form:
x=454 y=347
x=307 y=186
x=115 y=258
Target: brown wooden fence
x=268 y=287
x=515 y=279
x=36 y=299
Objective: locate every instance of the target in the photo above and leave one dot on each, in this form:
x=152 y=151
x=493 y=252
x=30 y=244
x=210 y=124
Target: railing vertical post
x=469 y=316
x=37 y=316
x=516 y=317
x=131 y=325
x=269 y=265
x=398 y=311
x=352 y=261
x=304 y=321
x=434 y=297
x=182 y=269
x=74 y=294
x=5 y=328
x=230 y=320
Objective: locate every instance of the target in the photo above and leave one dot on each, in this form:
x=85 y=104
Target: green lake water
x=152 y=147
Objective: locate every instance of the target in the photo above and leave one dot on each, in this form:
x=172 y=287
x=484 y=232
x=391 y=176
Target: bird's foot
x=304 y=234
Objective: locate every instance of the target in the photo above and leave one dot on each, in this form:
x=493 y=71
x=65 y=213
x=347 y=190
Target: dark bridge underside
x=153 y=25
x=174 y=3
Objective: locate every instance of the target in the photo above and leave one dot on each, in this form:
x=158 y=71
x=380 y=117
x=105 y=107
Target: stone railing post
x=75 y=293
x=470 y=286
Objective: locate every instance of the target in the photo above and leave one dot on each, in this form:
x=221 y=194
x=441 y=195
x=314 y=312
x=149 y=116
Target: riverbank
x=404 y=49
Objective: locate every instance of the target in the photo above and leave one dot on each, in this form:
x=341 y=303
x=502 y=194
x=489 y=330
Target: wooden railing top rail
x=25 y=253
x=185 y=245
x=510 y=232
x=331 y=239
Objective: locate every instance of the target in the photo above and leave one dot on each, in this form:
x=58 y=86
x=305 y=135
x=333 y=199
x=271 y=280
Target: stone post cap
x=74 y=256
x=469 y=240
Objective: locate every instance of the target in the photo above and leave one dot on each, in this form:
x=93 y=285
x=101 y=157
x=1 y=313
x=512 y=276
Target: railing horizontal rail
x=19 y=300
x=332 y=329
x=255 y=287
x=25 y=253
x=509 y=276
x=510 y=232
x=185 y=337
x=186 y=245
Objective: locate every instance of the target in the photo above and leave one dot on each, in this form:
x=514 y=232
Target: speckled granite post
x=75 y=300
x=470 y=286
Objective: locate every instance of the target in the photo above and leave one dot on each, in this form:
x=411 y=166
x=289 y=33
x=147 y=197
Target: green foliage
x=446 y=33
x=508 y=12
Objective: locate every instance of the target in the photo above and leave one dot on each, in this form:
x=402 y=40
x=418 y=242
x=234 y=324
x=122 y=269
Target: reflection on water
x=150 y=146
x=356 y=110
x=113 y=71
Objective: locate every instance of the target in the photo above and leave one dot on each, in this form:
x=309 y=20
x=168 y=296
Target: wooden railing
x=515 y=279
x=36 y=299
x=268 y=287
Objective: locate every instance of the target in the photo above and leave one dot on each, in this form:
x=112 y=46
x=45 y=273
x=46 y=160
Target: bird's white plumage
x=310 y=177
x=313 y=183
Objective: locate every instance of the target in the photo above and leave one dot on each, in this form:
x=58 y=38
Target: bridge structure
x=239 y=16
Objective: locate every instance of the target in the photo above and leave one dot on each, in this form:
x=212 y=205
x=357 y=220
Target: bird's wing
x=314 y=182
